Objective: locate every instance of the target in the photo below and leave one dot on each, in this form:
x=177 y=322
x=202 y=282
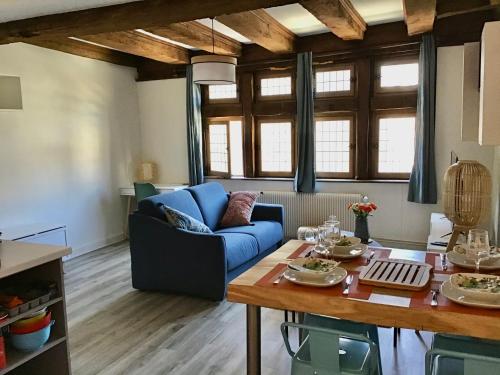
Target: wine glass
x=478 y=246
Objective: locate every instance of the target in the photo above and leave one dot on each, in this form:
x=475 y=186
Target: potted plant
x=362 y=210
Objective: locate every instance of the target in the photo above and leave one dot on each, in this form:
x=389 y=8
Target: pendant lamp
x=214 y=69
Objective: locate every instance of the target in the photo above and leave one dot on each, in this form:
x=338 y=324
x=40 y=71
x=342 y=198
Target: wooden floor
x=115 y=329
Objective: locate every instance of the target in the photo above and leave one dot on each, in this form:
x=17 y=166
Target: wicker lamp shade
x=466 y=195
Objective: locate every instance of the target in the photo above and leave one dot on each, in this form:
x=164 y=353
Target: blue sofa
x=198 y=264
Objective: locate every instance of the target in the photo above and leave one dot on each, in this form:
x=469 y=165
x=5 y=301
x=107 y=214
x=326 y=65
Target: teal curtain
x=305 y=176
x=195 y=157
x=422 y=188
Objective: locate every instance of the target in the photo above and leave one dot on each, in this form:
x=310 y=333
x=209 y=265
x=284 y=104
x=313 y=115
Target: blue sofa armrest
x=265 y=211
x=174 y=260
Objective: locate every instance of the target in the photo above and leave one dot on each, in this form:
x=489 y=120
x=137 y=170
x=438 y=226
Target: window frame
x=206 y=140
x=274 y=74
x=374 y=142
x=336 y=67
x=206 y=96
x=352 y=145
x=398 y=60
x=258 y=159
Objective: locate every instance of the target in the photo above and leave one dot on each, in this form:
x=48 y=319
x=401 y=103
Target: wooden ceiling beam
x=450 y=8
x=339 y=16
x=262 y=29
x=199 y=36
x=139 y=44
x=78 y=48
x=121 y=17
x=419 y=15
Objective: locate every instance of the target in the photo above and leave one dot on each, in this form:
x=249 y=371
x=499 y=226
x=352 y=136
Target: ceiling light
x=214 y=69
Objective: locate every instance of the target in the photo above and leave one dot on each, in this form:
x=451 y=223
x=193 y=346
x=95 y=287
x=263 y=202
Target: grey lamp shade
x=10 y=93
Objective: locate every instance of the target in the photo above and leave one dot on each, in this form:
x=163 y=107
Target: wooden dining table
x=385 y=307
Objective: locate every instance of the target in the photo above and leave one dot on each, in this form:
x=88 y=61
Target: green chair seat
x=457 y=355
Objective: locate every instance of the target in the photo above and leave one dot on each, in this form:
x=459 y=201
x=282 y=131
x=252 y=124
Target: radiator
x=312 y=209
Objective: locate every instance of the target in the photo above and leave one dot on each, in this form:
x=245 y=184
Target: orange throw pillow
x=239 y=209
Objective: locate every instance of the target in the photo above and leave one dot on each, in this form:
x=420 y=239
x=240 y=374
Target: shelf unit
x=27 y=262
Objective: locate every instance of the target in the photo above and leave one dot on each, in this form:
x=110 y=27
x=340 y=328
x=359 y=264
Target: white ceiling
x=293 y=16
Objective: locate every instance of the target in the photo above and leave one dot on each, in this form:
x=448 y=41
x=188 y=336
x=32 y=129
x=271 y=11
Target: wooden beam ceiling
x=261 y=28
x=139 y=44
x=419 y=15
x=451 y=8
x=199 y=36
x=339 y=16
x=129 y=16
x=78 y=48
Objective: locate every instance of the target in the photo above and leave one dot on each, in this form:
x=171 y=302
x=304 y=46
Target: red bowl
x=33 y=327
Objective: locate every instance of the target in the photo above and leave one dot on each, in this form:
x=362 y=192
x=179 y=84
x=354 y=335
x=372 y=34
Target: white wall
x=64 y=156
x=397 y=219
x=164 y=133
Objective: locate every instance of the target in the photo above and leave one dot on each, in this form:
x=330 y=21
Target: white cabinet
x=489 y=100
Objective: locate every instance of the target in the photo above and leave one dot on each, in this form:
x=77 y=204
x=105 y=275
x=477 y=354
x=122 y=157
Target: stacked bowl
x=31 y=333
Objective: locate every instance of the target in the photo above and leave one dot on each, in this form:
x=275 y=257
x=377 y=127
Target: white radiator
x=312 y=209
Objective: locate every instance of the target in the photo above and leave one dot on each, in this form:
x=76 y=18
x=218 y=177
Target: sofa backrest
x=180 y=200
x=212 y=201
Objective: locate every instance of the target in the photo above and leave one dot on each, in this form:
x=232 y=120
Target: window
x=225 y=145
x=275 y=144
x=217 y=92
x=334 y=81
x=395 y=146
x=276 y=86
x=398 y=75
x=333 y=147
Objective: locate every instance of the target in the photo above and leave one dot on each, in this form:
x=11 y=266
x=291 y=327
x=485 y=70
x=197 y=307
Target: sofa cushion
x=180 y=200
x=239 y=209
x=212 y=200
x=267 y=233
x=240 y=248
x=180 y=220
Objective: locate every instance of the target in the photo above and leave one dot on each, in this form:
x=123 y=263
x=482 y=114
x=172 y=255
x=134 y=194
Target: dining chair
x=331 y=351
x=368 y=330
x=144 y=190
x=457 y=355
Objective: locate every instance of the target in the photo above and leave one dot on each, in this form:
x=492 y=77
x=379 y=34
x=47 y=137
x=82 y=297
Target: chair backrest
x=144 y=190
x=324 y=346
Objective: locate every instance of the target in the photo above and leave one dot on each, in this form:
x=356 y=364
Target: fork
x=434 y=301
x=348 y=282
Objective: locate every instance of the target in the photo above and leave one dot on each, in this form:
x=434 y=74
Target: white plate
x=456 y=296
x=461 y=260
x=332 y=279
x=353 y=253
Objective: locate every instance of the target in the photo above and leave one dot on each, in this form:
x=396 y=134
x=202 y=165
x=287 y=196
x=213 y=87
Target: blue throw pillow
x=180 y=220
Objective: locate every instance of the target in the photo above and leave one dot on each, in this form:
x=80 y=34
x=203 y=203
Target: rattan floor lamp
x=466 y=196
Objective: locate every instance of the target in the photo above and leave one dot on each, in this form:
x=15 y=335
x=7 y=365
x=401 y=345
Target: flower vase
x=361 y=229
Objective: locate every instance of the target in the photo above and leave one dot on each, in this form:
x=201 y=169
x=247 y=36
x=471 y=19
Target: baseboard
x=398 y=244
x=95 y=246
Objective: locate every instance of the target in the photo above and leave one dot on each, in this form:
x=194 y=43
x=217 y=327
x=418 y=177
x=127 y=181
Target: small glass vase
x=361 y=229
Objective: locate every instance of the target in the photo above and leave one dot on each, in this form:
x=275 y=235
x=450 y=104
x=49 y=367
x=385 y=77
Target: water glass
x=310 y=235
x=334 y=232
x=478 y=246
x=322 y=241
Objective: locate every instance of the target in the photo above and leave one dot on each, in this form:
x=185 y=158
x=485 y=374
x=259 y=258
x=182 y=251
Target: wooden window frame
x=274 y=74
x=336 y=67
x=406 y=59
x=206 y=141
x=352 y=145
x=374 y=139
x=258 y=159
x=206 y=96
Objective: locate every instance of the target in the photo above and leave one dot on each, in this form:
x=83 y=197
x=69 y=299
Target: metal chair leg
x=286 y=320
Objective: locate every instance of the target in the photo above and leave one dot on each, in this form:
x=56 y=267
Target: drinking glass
x=478 y=246
x=322 y=240
x=334 y=232
x=310 y=235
